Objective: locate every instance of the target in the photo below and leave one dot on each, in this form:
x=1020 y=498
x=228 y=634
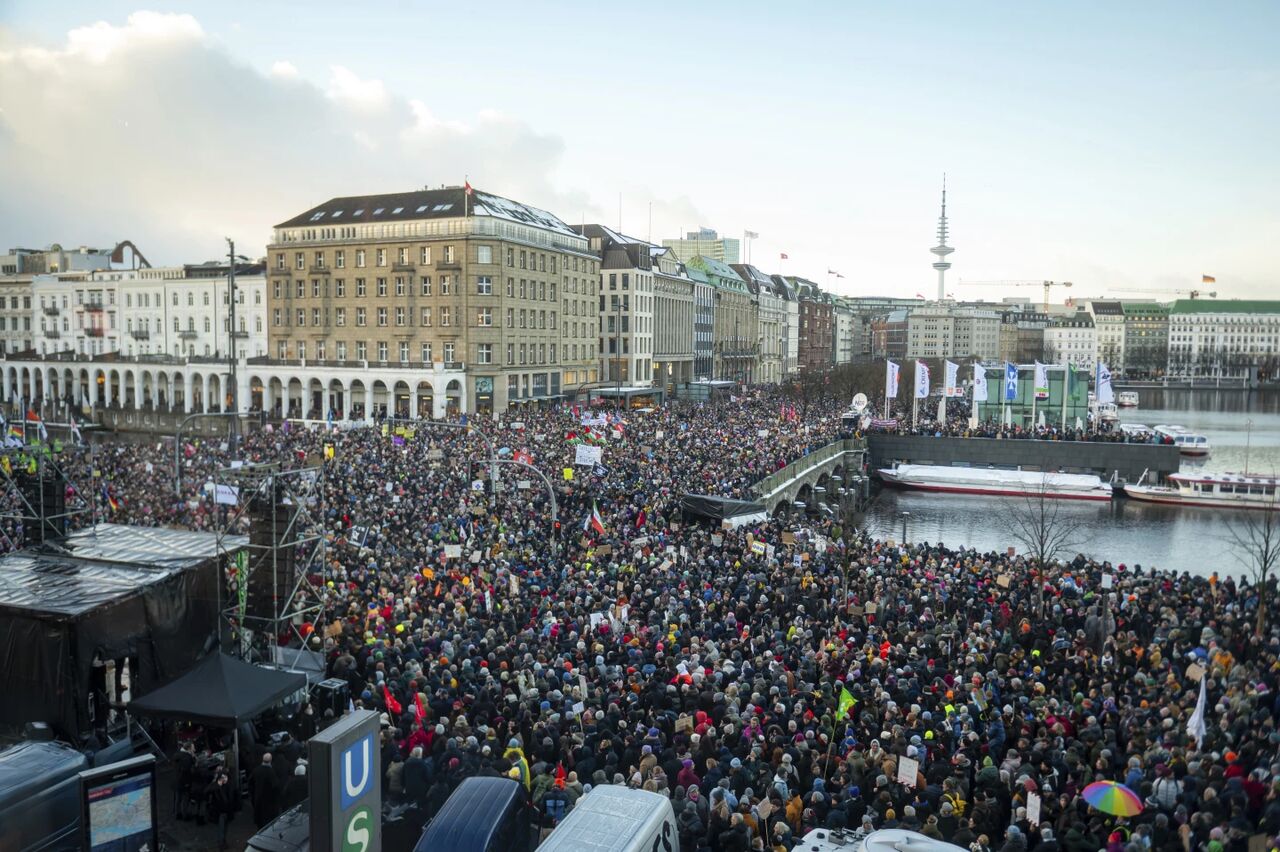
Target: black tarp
x=59 y=610
x=717 y=508
x=220 y=690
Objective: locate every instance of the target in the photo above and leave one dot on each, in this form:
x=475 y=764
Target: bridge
x=829 y=466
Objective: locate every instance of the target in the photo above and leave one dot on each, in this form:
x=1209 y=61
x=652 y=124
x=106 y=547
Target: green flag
x=846 y=703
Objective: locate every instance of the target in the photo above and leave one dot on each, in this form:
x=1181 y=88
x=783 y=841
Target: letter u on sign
x=356 y=770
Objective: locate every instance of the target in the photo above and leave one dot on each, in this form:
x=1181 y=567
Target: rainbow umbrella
x=1112 y=798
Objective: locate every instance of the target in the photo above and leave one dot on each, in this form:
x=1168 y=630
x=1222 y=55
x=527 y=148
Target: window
x=339 y=316
x=299 y=288
x=523 y=353
x=426 y=353
x=399 y=285
x=424 y=255
x=426 y=285
x=315 y=316
x=511 y=257
x=340 y=288
x=315 y=288
x=282 y=349
x=177 y=326
x=381 y=260
x=360 y=288
x=524 y=264
x=448 y=352
x=360 y=317
x=522 y=318
x=362 y=351
x=404 y=352
x=275 y=291
x=403 y=254
x=484 y=317
x=553 y=353
x=445 y=318
x=511 y=288
x=275 y=318
x=484 y=353
x=511 y=318
x=319 y=264
x=301 y=317
x=382 y=319
x=426 y=317
x=484 y=254
x=399 y=316
x=382 y=286
x=320 y=349
x=484 y=286
x=553 y=319
x=299 y=260
x=280 y=260
x=360 y=258
x=340 y=259
x=191 y=297
x=511 y=353
x=448 y=254
x=524 y=286
x=446 y=285
x=382 y=350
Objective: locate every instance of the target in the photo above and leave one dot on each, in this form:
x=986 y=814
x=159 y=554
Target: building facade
x=1146 y=339
x=771 y=314
x=626 y=305
x=1228 y=338
x=889 y=334
x=817 y=326
x=704 y=316
x=440 y=279
x=735 y=334
x=1071 y=340
x=1108 y=330
x=949 y=331
x=705 y=242
x=673 y=334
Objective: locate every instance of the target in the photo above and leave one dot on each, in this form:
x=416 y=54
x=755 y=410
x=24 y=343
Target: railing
x=52 y=332
x=52 y=310
x=187 y=334
x=94 y=307
x=768 y=486
x=94 y=331
x=404 y=267
x=140 y=334
x=240 y=333
x=318 y=269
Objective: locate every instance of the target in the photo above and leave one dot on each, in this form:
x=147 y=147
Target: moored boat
x=1127 y=399
x=1188 y=443
x=998 y=483
x=1219 y=490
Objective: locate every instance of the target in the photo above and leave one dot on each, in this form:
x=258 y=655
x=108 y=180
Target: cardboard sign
x=1003 y=581
x=870 y=608
x=1195 y=671
x=604 y=550
x=684 y=723
x=453 y=551
x=907 y=769
x=568 y=474
x=717 y=539
x=1010 y=552
x=788 y=538
x=587 y=454
x=1108 y=581
x=1033 y=808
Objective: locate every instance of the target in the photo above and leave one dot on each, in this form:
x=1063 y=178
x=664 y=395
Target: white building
x=771 y=314
x=1108 y=329
x=948 y=331
x=626 y=307
x=1221 y=337
x=1071 y=340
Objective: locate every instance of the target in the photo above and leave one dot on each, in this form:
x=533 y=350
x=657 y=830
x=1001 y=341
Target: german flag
x=1208 y=279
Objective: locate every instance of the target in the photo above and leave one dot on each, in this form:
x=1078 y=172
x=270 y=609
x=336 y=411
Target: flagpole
x=973 y=403
x=1066 y=390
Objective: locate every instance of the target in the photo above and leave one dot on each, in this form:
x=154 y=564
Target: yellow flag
x=5 y=464
x=846 y=703
x=568 y=474
x=328 y=451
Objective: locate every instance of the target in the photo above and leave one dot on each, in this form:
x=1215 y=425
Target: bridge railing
x=779 y=480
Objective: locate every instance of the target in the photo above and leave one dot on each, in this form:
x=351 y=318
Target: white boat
x=1223 y=490
x=1137 y=433
x=884 y=840
x=997 y=483
x=1187 y=442
x=1103 y=412
x=1127 y=399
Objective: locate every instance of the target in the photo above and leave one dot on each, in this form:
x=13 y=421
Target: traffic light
x=555 y=529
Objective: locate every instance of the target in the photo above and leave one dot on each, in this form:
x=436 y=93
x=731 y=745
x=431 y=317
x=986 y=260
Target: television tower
x=942 y=249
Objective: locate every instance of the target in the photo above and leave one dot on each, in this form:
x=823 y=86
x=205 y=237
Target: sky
x=1122 y=147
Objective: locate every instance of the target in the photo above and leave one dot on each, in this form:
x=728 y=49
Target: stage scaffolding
x=39 y=502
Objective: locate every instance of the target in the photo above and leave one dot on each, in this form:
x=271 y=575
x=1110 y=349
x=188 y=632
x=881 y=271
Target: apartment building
x=673 y=321
x=1071 y=339
x=1224 y=337
x=950 y=331
x=735 y=325
x=449 y=276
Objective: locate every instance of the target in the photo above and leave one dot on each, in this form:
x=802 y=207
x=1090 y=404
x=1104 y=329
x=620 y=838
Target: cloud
x=149 y=130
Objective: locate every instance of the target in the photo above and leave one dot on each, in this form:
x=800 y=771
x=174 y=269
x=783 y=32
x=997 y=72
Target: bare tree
x=1043 y=526
x=1255 y=542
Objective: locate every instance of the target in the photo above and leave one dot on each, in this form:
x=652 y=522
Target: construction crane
x=1192 y=294
x=1045 y=284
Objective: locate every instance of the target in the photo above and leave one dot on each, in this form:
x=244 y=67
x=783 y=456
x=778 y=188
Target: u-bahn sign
x=346 y=787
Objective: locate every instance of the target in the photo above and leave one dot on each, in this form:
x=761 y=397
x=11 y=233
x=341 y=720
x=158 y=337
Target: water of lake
x=1239 y=425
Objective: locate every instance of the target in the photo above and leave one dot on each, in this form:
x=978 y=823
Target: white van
x=616 y=819
x=884 y=840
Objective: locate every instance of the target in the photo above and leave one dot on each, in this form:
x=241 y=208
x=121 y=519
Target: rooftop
x=445 y=203
x=1224 y=306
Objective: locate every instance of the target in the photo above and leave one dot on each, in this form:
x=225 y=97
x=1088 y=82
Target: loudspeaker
x=332 y=694
x=47 y=497
x=267 y=529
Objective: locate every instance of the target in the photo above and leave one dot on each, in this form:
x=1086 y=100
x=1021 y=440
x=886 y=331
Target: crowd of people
x=770 y=678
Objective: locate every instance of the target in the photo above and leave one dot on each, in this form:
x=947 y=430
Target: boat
x=1136 y=433
x=1221 y=490
x=1102 y=412
x=1127 y=399
x=1187 y=442
x=997 y=483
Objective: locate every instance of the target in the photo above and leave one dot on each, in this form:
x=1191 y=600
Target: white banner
x=1041 y=383
x=952 y=377
x=922 y=380
x=979 y=383
x=1104 y=392
x=587 y=454
x=226 y=495
x=891 y=380
x=907 y=769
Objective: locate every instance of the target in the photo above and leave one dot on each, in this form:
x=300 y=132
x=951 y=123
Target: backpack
x=956 y=802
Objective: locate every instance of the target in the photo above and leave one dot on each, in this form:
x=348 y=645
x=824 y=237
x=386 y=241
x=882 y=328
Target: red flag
x=417 y=703
x=641 y=519
x=393 y=706
x=783 y=255
x=467 y=187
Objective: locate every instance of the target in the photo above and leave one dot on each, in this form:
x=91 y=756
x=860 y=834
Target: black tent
x=720 y=508
x=220 y=690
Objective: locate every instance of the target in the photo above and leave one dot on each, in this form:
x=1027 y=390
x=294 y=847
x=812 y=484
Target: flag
x=110 y=501
x=1207 y=279
x=75 y=431
x=419 y=710
x=783 y=256
x=846 y=703
x=1041 y=384
x=920 y=295
x=979 y=383
x=891 y=380
x=922 y=380
x=641 y=519
x=1010 y=381
x=466 y=187
x=751 y=235
x=393 y=706
x=833 y=272
x=595 y=522
x=952 y=379
x=15 y=435
x=1195 y=725
x=1103 y=391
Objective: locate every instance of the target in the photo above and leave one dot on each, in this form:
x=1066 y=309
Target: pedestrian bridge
x=825 y=468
